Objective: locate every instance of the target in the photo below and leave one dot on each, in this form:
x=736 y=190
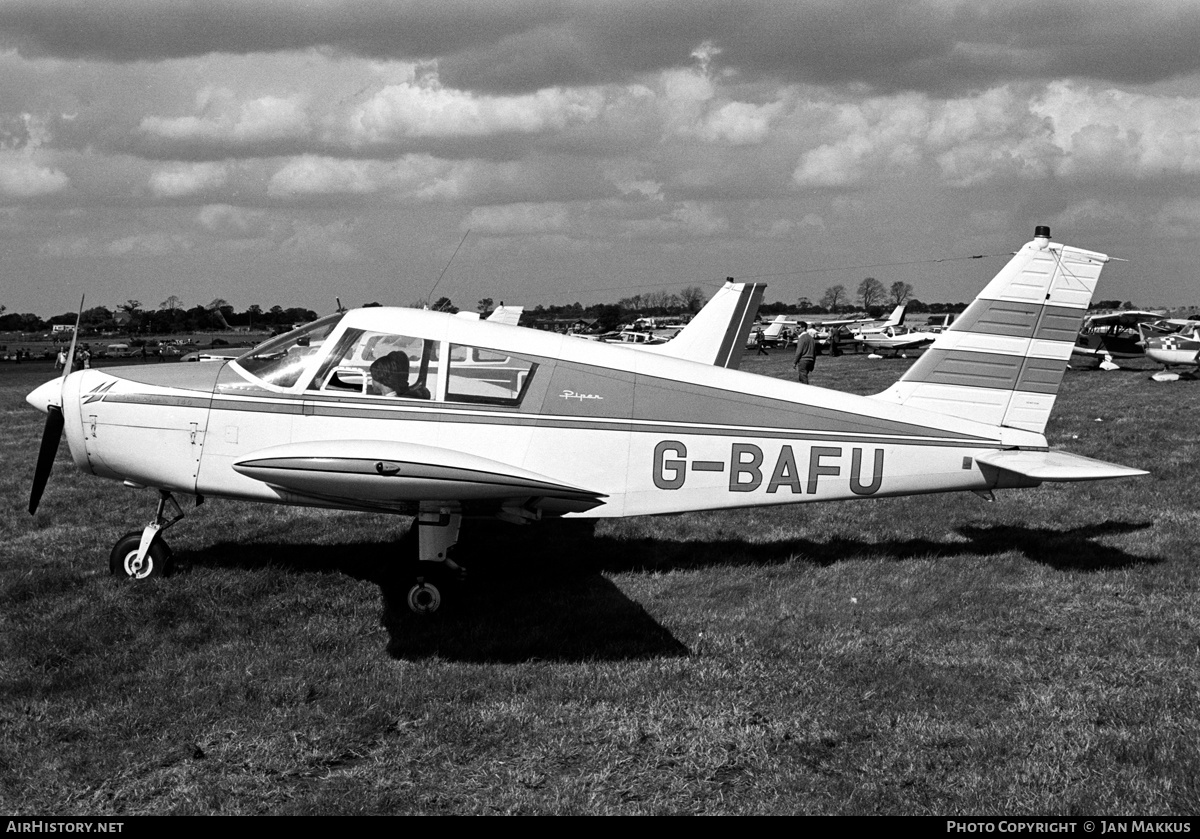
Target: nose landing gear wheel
x=122 y=562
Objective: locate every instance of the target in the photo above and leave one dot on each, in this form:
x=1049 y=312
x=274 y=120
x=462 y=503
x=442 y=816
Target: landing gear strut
x=143 y=554
x=434 y=572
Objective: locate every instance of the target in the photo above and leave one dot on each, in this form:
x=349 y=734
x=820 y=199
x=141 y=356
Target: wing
x=382 y=474
x=1130 y=318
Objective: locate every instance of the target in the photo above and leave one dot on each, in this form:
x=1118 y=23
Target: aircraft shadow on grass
x=541 y=592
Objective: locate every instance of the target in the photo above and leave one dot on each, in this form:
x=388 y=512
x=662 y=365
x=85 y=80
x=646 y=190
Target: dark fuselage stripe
x=394 y=413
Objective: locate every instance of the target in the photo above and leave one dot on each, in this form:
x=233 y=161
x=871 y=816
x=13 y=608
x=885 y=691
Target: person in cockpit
x=389 y=377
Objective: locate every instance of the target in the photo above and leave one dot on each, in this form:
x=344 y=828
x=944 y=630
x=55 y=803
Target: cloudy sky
x=287 y=151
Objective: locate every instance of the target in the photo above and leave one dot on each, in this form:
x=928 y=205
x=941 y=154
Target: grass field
x=929 y=655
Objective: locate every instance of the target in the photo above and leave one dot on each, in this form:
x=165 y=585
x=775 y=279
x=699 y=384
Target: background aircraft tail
x=1002 y=360
x=897 y=316
x=775 y=329
x=510 y=315
x=717 y=334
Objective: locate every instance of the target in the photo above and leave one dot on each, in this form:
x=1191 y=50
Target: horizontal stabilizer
x=1056 y=466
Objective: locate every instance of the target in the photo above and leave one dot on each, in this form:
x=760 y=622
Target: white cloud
x=232 y=222
x=182 y=180
x=22 y=177
x=786 y=228
x=836 y=164
x=686 y=219
x=1094 y=213
x=327 y=242
x=224 y=119
x=1066 y=130
x=1179 y=218
x=522 y=218
x=68 y=247
x=426 y=109
x=630 y=186
x=1120 y=132
x=312 y=175
x=149 y=244
x=740 y=123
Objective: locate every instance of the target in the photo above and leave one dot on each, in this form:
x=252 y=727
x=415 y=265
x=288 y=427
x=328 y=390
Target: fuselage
x=501 y=416
x=898 y=338
x=1182 y=347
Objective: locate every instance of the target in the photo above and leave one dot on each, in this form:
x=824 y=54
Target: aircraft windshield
x=281 y=361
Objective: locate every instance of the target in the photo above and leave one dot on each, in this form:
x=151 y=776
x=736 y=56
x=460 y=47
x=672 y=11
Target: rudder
x=1002 y=360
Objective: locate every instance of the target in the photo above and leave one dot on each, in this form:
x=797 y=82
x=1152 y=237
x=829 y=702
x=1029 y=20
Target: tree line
x=173 y=317
x=170 y=317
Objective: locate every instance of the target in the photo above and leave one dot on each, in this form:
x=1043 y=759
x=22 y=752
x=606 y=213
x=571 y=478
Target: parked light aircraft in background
x=846 y=328
x=444 y=418
x=861 y=324
x=898 y=340
x=1179 y=347
x=780 y=332
x=867 y=328
x=1115 y=335
x=713 y=336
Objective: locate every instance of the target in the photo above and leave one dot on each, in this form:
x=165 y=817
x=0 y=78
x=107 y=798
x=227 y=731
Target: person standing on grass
x=806 y=353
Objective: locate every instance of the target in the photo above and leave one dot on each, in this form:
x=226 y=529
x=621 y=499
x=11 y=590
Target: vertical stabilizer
x=775 y=329
x=510 y=315
x=1002 y=360
x=717 y=334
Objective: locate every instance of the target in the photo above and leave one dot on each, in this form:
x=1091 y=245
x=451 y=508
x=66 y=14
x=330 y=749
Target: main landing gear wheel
x=122 y=562
x=431 y=589
x=431 y=574
x=424 y=596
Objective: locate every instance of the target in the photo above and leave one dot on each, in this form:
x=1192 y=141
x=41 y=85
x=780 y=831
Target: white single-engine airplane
x=422 y=413
x=898 y=340
x=860 y=325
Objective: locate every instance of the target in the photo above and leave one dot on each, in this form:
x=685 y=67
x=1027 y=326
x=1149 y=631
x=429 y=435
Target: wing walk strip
x=249 y=404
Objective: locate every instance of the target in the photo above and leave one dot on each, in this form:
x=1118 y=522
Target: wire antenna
x=447 y=268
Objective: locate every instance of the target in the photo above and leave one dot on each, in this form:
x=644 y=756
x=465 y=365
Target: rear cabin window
x=380 y=364
x=487 y=377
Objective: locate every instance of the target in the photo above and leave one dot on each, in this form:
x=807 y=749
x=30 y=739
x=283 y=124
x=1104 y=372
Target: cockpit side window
x=379 y=364
x=487 y=377
x=283 y=360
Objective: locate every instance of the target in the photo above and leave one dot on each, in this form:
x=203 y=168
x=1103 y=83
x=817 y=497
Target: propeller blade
x=45 y=462
x=74 y=339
